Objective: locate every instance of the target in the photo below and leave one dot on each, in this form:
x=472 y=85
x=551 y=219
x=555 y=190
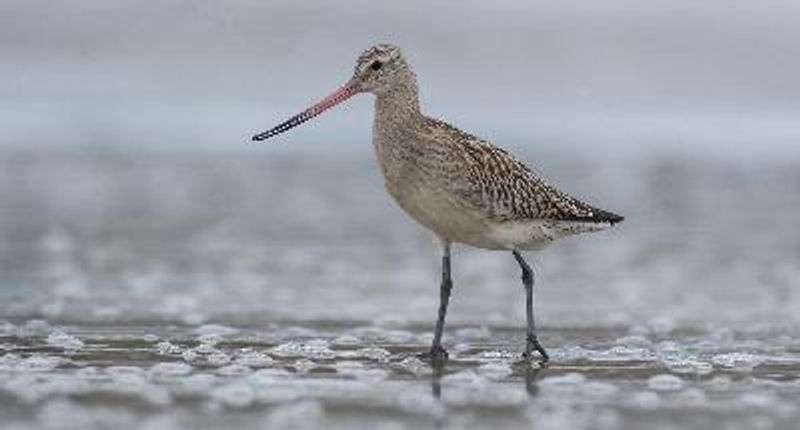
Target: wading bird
x=462 y=188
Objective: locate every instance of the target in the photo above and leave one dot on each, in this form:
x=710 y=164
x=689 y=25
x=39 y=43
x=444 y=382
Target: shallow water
x=157 y=290
x=337 y=375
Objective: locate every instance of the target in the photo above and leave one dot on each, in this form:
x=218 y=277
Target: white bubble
x=167 y=348
x=348 y=365
x=669 y=347
x=316 y=349
x=634 y=340
x=125 y=370
x=209 y=339
x=269 y=376
x=720 y=383
x=88 y=373
x=162 y=370
x=740 y=361
x=497 y=355
x=304 y=365
x=379 y=334
x=625 y=353
x=252 y=358
x=199 y=383
x=205 y=348
x=688 y=366
x=572 y=353
x=61 y=339
x=461 y=348
x=347 y=340
x=495 y=370
x=370 y=353
x=357 y=370
x=665 y=382
x=215 y=330
x=218 y=358
x=234 y=370
x=190 y=355
x=235 y=395
x=34 y=363
x=464 y=377
x=414 y=365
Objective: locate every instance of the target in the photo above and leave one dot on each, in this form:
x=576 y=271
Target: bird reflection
x=436 y=381
x=531 y=379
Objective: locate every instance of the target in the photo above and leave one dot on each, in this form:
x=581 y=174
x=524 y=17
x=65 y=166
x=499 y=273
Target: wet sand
x=325 y=375
x=165 y=291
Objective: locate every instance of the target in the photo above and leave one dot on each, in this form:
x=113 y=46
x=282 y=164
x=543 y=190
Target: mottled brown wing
x=492 y=180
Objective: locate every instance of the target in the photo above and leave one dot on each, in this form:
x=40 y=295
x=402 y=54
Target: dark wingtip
x=597 y=215
x=610 y=217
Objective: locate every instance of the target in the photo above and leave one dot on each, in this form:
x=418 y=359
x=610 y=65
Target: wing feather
x=492 y=180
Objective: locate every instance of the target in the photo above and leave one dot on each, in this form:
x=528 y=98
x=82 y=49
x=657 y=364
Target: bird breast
x=416 y=181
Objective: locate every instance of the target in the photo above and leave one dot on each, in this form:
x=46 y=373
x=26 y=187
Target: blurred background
x=130 y=192
x=716 y=78
x=125 y=153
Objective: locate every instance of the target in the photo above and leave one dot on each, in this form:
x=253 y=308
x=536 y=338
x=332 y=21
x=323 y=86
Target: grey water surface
x=264 y=289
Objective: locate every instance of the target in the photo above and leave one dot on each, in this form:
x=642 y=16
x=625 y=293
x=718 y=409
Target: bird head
x=378 y=70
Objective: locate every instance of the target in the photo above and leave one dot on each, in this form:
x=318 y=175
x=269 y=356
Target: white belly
x=456 y=223
x=536 y=234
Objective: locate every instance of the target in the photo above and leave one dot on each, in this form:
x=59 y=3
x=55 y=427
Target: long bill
x=343 y=93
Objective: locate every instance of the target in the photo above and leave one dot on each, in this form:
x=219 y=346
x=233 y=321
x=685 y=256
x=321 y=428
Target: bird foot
x=437 y=356
x=534 y=344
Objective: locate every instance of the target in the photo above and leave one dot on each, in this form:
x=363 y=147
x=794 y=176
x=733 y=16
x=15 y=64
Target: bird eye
x=376 y=65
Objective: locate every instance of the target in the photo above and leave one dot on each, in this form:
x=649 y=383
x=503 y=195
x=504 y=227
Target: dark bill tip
x=340 y=95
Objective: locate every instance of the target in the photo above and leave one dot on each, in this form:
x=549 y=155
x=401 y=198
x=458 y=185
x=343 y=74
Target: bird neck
x=396 y=112
x=398 y=105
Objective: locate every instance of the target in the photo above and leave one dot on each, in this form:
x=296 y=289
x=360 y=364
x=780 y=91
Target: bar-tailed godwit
x=462 y=188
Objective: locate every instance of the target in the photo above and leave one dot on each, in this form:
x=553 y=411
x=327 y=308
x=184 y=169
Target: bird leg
x=532 y=342
x=438 y=355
